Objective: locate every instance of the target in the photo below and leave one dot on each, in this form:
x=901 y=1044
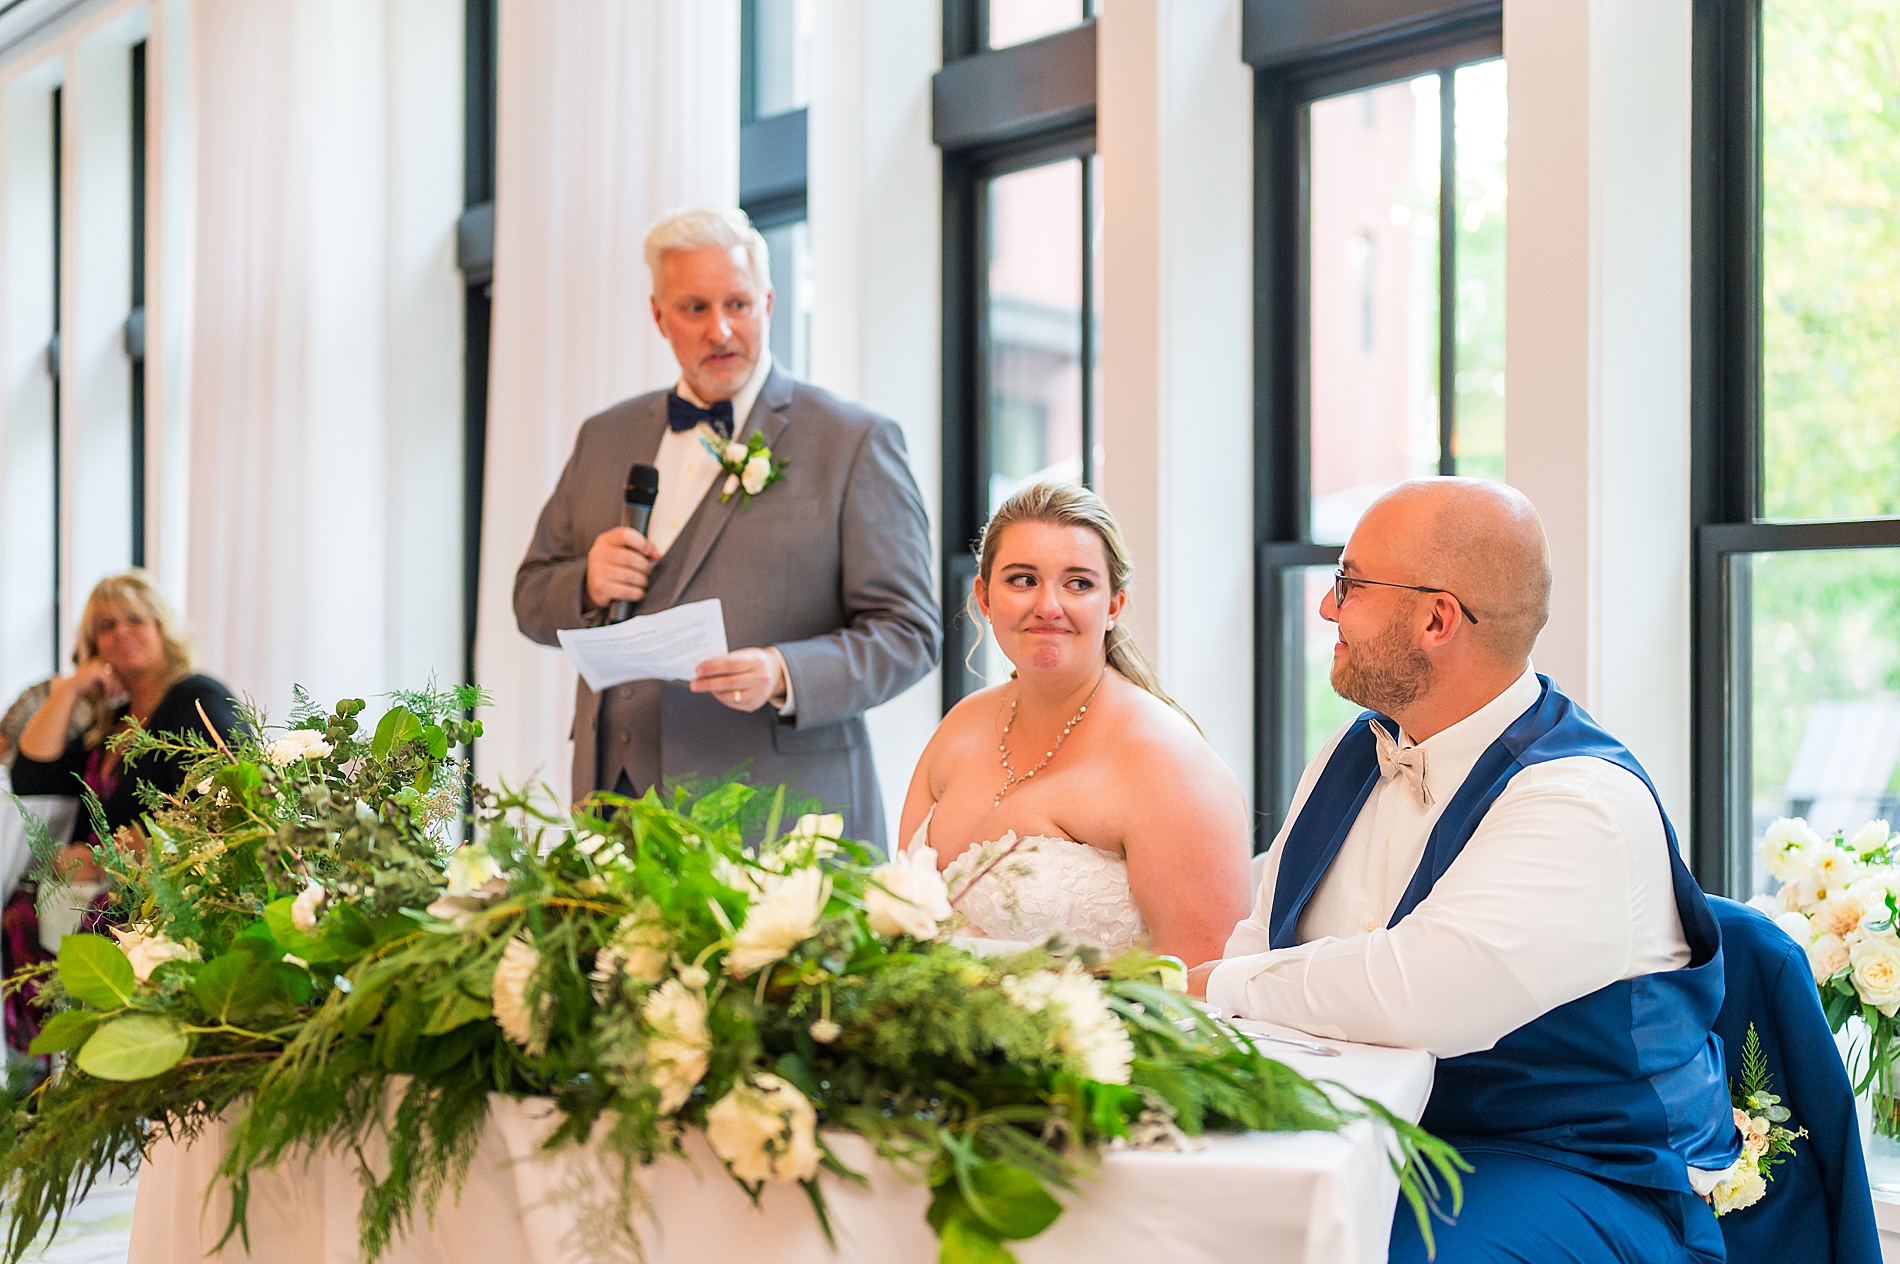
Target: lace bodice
x=1042 y=885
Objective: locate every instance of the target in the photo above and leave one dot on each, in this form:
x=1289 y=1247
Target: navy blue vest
x=1627 y=1083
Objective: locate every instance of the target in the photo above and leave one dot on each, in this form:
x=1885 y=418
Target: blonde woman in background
x=134 y=665
x=1077 y=796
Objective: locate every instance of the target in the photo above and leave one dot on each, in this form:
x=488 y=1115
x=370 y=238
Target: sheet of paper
x=664 y=646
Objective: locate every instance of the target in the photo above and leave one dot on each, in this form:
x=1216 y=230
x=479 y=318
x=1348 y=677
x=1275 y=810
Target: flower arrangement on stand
x=1838 y=900
x=313 y=960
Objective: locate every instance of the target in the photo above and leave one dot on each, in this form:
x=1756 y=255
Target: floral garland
x=311 y=959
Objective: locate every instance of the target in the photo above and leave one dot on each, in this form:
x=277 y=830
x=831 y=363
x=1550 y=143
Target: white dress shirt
x=687 y=473
x=1563 y=888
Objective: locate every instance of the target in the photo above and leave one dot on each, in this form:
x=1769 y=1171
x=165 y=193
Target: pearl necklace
x=1012 y=778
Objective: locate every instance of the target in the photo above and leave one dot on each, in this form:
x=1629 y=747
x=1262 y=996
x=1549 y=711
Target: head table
x=1310 y=1198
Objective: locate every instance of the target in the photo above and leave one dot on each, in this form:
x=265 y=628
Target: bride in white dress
x=1077 y=797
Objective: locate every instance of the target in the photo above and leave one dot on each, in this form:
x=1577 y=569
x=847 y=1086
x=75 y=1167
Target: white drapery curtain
x=325 y=451
x=610 y=114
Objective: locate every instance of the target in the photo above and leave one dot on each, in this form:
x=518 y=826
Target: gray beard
x=1386 y=675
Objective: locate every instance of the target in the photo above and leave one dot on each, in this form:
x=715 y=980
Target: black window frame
x=774 y=163
x=1726 y=450
x=475 y=256
x=1304 y=51
x=997 y=111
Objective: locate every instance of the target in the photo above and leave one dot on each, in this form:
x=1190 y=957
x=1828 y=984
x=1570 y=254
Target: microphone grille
x=643 y=484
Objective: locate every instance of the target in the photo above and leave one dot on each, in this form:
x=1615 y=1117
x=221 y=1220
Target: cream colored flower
x=307 y=908
x=1797 y=926
x=204 y=787
x=1827 y=957
x=735 y=453
x=824 y=1031
x=1834 y=868
x=784 y=915
x=1785 y=847
x=1743 y=1188
x=587 y=842
x=149 y=950
x=765 y=1130
x=296 y=745
x=757 y=471
x=1876 y=963
x=1870 y=837
x=1872 y=892
x=643 y=942
x=680 y=1046
x=474 y=872
x=1803 y=895
x=1839 y=914
x=907 y=896
x=732 y=485
x=513 y=973
x=694 y=977
x=1090 y=1033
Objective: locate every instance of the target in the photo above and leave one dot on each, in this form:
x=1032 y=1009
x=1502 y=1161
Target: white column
x=1174 y=128
x=610 y=115
x=26 y=386
x=1597 y=338
x=875 y=204
x=326 y=472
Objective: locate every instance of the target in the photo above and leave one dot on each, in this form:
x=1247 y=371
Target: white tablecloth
x=1310 y=1198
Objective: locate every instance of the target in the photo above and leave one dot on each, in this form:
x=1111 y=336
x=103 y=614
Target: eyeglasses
x=1342 y=584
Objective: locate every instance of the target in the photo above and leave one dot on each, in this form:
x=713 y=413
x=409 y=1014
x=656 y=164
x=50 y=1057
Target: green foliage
x=331 y=977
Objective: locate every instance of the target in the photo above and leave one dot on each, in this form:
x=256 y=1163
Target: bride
x=1077 y=797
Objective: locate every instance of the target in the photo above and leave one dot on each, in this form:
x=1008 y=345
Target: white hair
x=697 y=227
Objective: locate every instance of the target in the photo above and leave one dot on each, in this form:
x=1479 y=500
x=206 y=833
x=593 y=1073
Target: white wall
x=1174 y=129
x=1597 y=353
x=875 y=205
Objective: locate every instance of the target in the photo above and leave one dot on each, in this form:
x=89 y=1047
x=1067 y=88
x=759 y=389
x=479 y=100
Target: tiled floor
x=98 y=1231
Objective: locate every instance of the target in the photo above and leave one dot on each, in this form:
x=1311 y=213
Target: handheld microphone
x=643 y=488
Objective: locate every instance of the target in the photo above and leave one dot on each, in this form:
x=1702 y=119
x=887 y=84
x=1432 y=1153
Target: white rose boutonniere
x=750 y=466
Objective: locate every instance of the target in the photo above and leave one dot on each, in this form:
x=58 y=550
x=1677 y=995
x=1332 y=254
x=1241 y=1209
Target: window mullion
x=1086 y=346
x=1447 y=271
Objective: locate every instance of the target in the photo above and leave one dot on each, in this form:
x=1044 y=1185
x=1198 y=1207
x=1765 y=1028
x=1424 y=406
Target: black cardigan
x=177 y=712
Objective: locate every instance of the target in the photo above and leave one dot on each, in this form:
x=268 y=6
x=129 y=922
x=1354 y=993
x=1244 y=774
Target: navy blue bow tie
x=682 y=415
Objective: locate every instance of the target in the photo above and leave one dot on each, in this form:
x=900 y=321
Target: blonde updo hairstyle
x=1066 y=505
x=133 y=593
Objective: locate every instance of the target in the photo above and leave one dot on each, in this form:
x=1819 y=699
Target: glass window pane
x=1478 y=418
x=1824 y=643
x=1095 y=318
x=1325 y=710
x=1830 y=258
x=1018 y=21
x=781 y=53
x=790 y=247
x=1372 y=320
x=1034 y=322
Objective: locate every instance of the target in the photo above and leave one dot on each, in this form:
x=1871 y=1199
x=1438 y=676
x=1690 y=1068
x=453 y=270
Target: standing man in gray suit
x=824 y=576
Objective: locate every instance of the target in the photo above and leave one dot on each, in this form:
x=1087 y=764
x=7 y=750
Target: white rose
x=475 y=874
x=732 y=485
x=1784 y=848
x=1091 y=1034
x=757 y=470
x=1871 y=892
x=296 y=745
x=149 y=951
x=765 y=1130
x=907 y=896
x=735 y=453
x=519 y=960
x=680 y=1046
x=1743 y=1188
x=1827 y=957
x=812 y=825
x=1876 y=962
x=1870 y=837
x=307 y=907
x=782 y=917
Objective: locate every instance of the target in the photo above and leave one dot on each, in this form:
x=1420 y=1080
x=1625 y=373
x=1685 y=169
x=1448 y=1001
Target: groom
x=1474 y=867
x=823 y=575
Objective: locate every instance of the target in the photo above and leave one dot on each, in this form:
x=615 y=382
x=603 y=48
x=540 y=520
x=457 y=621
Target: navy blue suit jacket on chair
x=1818 y=1207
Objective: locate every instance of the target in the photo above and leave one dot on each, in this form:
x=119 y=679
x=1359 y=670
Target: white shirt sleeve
x=1563 y=888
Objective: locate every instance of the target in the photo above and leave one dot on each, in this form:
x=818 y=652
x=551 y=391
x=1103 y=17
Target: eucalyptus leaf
x=233 y=985
x=135 y=1047
x=95 y=970
x=64 y=1031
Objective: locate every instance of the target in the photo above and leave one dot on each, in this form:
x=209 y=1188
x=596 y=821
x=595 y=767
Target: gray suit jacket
x=831 y=565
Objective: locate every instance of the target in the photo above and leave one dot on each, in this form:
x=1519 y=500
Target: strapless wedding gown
x=1040 y=885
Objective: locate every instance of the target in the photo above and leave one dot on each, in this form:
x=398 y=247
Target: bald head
x=1479 y=540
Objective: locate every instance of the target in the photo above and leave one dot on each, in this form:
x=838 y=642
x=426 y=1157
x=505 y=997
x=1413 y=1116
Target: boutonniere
x=749 y=466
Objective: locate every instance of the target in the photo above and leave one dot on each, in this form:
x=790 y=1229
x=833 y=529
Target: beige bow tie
x=1409 y=760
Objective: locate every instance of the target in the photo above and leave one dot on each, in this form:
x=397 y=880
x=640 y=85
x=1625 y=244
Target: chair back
x=1818 y=1207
